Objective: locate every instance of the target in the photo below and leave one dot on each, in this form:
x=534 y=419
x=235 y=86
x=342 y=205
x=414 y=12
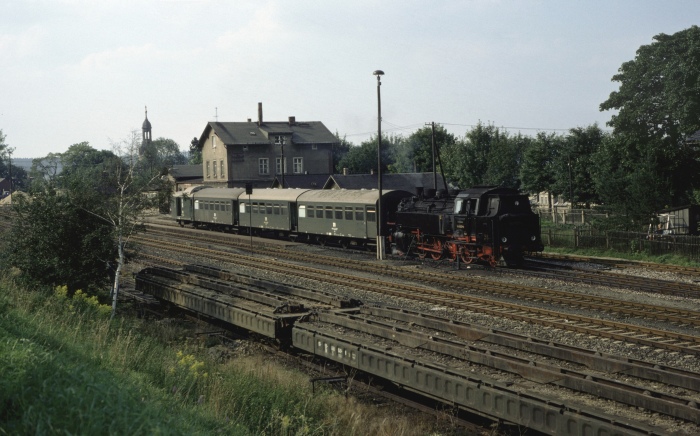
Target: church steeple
x=146 y=128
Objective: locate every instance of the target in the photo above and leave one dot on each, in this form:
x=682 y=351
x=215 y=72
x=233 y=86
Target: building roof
x=305 y=181
x=186 y=172
x=250 y=133
x=404 y=181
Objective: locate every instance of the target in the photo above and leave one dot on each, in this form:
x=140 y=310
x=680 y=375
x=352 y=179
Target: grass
x=65 y=368
x=669 y=259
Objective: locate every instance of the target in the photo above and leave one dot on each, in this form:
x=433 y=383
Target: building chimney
x=260 y=118
x=292 y=120
x=249 y=120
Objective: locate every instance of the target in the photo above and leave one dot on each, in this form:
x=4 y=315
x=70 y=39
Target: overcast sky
x=76 y=70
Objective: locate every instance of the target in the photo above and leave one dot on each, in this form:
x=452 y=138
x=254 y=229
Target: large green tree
x=415 y=154
x=537 y=167
x=362 y=159
x=486 y=155
x=159 y=154
x=573 y=162
x=658 y=107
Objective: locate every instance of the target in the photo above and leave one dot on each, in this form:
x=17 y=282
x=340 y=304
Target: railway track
x=419 y=334
x=613 y=330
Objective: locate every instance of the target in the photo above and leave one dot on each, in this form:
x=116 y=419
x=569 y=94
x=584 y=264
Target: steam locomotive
x=480 y=224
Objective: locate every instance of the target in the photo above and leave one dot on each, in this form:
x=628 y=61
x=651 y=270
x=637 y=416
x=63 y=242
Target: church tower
x=146 y=128
x=146 y=132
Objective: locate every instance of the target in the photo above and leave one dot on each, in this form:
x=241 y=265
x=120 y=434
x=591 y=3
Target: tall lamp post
x=380 y=237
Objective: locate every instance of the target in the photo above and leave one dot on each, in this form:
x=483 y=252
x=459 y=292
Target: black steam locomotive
x=480 y=224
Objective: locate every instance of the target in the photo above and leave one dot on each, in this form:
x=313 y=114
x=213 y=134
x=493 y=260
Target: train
x=482 y=224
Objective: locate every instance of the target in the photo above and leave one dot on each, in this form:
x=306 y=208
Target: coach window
x=216 y=205
x=371 y=215
x=254 y=208
x=359 y=214
x=311 y=211
x=339 y=213
x=302 y=211
x=283 y=209
x=276 y=209
x=348 y=213
x=242 y=207
x=268 y=209
x=329 y=212
x=319 y=212
x=196 y=205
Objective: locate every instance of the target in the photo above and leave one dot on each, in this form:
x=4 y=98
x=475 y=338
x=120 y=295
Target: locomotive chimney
x=260 y=118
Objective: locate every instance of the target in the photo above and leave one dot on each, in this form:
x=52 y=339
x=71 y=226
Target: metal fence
x=566 y=215
x=626 y=242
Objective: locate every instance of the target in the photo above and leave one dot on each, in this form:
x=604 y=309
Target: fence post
x=583 y=217
x=607 y=240
x=575 y=237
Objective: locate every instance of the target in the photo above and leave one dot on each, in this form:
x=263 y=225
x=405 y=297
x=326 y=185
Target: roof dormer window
x=279 y=140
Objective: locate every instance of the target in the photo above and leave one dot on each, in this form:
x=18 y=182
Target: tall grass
x=66 y=368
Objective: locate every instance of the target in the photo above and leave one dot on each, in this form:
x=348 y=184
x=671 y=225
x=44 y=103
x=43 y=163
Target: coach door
x=371 y=221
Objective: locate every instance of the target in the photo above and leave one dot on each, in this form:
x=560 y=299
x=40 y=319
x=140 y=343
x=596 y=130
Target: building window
x=214 y=169
x=213 y=143
x=298 y=165
x=208 y=175
x=279 y=140
x=221 y=167
x=263 y=165
x=314 y=146
x=278 y=165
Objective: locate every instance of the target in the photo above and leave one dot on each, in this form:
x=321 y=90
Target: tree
x=658 y=106
x=536 y=170
x=4 y=167
x=504 y=159
x=485 y=156
x=573 y=161
x=55 y=243
x=362 y=159
x=340 y=151
x=415 y=154
x=195 y=152
x=125 y=203
x=159 y=154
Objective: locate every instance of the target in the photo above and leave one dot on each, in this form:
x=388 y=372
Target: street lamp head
x=378 y=73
